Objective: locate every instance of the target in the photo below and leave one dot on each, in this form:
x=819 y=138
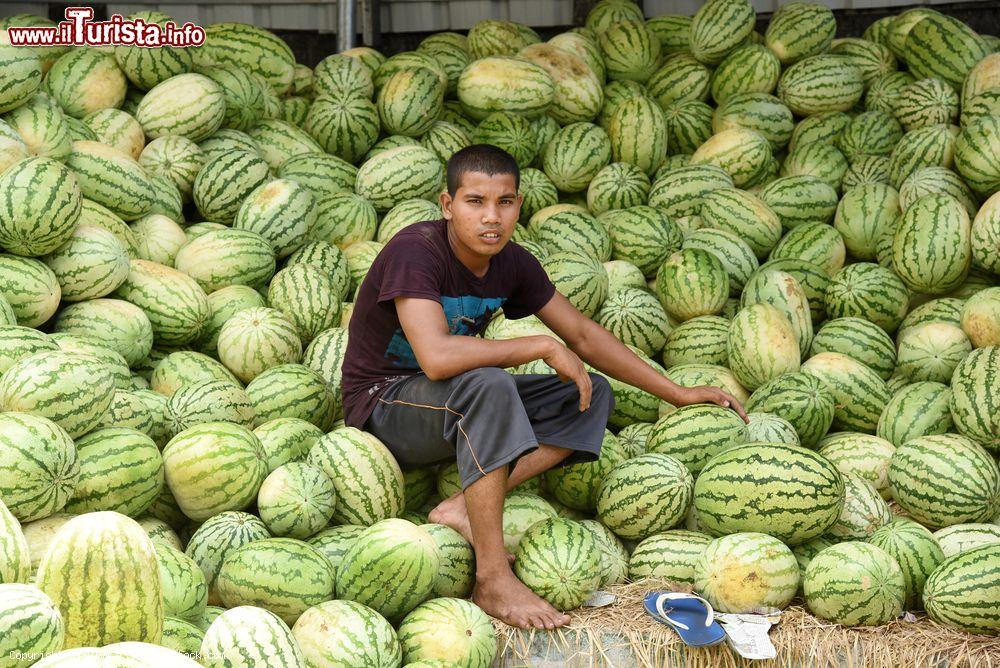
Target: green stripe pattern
x=409 y=101
x=692 y=283
x=761 y=345
x=219 y=535
x=864 y=454
x=225 y=181
x=975 y=397
x=498 y=83
x=752 y=68
x=296 y=500
x=575 y=155
x=120 y=469
x=449 y=630
x=185 y=367
x=457 y=574
x=111 y=178
x=771 y=428
x=681 y=79
x=559 y=560
x=85 y=80
x=220 y=258
x=916 y=551
x=643 y=236
x=176 y=157
x=42 y=127
x=931 y=248
x=580 y=278
x=576 y=486
x=744 y=154
x=864 y=214
x=859 y=339
x=918 y=409
x=340 y=76
x=185 y=592
x=945 y=479
x=930 y=146
x=399 y=173
x=249 y=48
x=694 y=434
x=257 y=339
x=280 y=211
x=742 y=214
x=636 y=318
x=367 y=480
x=30 y=624
x=977 y=155
x=820 y=83
x=679 y=192
x=292 y=390
x=97 y=572
x=568 y=228
x=671 y=555
x=718 y=27
x=869 y=291
x=854 y=584
x=859 y=393
x=20 y=342
x=645 y=495
x=92 y=263
x=800 y=29
x=614 y=555
x=209 y=401
x=960 y=538
x=962 y=591
x=689 y=125
x=742 y=571
x=638 y=134
x=864 y=511
x=39 y=206
x=213 y=467
x=578 y=93
x=943 y=47
x=699 y=340
x=15 y=561
x=735 y=254
x=282 y=575
x=177 y=307
x=346 y=633
x=392 y=550
x=873 y=132
x=250 y=635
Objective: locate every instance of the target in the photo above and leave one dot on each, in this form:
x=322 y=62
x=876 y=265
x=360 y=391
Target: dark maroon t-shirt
x=418 y=262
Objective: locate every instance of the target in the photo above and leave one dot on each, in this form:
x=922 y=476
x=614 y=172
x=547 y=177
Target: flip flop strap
x=710 y=617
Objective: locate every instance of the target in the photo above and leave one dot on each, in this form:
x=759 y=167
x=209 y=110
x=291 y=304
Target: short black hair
x=483 y=158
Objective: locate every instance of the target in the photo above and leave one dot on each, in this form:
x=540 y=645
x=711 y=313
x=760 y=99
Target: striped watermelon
x=936 y=180
x=209 y=401
x=286 y=440
x=188 y=105
x=40 y=126
x=631 y=51
x=872 y=58
x=185 y=593
x=671 y=555
x=915 y=550
x=344 y=127
x=23 y=74
x=580 y=278
x=30 y=289
x=860 y=340
x=854 y=584
x=931 y=351
x=926 y=102
x=111 y=558
x=752 y=68
x=323 y=174
x=346 y=633
x=213 y=467
x=943 y=47
x=761 y=345
x=718 y=27
x=39 y=208
x=457 y=575
x=577 y=486
x=226 y=257
x=159 y=238
x=744 y=154
x=85 y=80
x=255 y=635
x=409 y=101
x=575 y=155
x=799 y=200
x=77 y=403
x=981 y=318
x=866 y=455
x=929 y=146
x=343 y=219
x=771 y=428
x=91 y=264
x=181 y=636
x=689 y=125
x=638 y=134
x=679 y=192
x=399 y=173
x=960 y=538
x=339 y=76
x=390 y=549
x=918 y=409
x=257 y=339
x=220 y=534
x=962 y=591
x=860 y=394
x=976 y=152
x=282 y=575
x=864 y=215
x=744 y=215
x=281 y=211
x=578 y=94
x=120 y=469
x=225 y=181
x=744 y=571
x=366 y=477
x=499 y=83
x=692 y=283
x=15 y=564
x=449 y=630
x=699 y=340
x=636 y=318
x=31 y=626
x=296 y=500
x=248 y=47
x=558 y=559
x=175 y=304
x=820 y=83
x=681 y=79
x=694 y=434
x=308 y=298
x=614 y=555
x=565 y=227
x=111 y=178
x=520 y=510
x=755 y=475
x=869 y=291
x=931 y=248
x=292 y=390
x=864 y=511
x=642 y=236
x=737 y=257
x=965 y=486
x=186 y=367
x=801 y=399
x=800 y=29
x=20 y=342
x=657 y=484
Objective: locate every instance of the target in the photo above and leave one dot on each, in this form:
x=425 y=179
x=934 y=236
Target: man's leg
x=498 y=591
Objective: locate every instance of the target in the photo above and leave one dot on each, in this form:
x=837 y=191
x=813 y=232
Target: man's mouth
x=490 y=235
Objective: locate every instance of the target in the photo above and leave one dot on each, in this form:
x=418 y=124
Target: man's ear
x=445 y=200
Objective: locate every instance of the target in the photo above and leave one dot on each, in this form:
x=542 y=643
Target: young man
x=417 y=375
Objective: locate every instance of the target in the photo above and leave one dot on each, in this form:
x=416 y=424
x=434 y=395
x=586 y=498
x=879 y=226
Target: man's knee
x=600 y=392
x=489 y=379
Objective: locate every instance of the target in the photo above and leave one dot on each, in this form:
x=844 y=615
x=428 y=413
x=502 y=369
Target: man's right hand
x=569 y=367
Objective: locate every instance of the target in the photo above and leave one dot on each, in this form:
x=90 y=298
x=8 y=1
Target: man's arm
x=442 y=355
x=603 y=351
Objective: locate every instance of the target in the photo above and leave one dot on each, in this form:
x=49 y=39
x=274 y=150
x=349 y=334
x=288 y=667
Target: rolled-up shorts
x=487 y=418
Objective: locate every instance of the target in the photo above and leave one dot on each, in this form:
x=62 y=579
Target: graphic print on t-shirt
x=467 y=315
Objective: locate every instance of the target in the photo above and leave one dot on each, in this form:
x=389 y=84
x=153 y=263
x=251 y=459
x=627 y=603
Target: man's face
x=483 y=212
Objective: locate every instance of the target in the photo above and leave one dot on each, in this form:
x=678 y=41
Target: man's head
x=482 y=202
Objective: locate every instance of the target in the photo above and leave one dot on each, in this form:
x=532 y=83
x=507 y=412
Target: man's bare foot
x=508 y=599
x=453 y=513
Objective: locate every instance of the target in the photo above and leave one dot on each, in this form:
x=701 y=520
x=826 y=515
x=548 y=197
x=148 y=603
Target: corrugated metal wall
x=399 y=16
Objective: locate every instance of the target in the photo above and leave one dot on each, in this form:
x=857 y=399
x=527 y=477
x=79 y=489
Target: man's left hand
x=707 y=394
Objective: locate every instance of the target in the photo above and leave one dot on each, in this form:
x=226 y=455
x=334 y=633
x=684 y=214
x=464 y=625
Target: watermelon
x=800 y=29
x=981 y=318
x=859 y=339
x=252 y=633
x=367 y=480
x=225 y=181
x=868 y=291
x=929 y=146
x=976 y=152
x=765 y=570
x=820 y=83
x=699 y=340
x=558 y=560
x=631 y=50
x=111 y=178
x=188 y=105
x=213 y=467
x=209 y=401
x=692 y=283
x=800 y=200
x=259 y=573
x=185 y=592
x=671 y=555
x=918 y=409
x=30 y=624
x=962 y=591
x=694 y=434
x=744 y=154
x=120 y=469
x=391 y=548
x=257 y=339
x=346 y=633
x=176 y=157
x=614 y=555
x=16 y=564
x=457 y=575
x=220 y=534
x=40 y=206
x=492 y=37
x=181 y=636
x=931 y=351
x=577 y=486
x=112 y=555
x=448 y=629
x=186 y=367
x=641 y=235
x=177 y=307
x=753 y=475
x=864 y=215
x=960 y=538
x=399 y=173
x=657 y=484
x=499 y=83
x=344 y=127
x=85 y=80
x=575 y=155
x=943 y=47
x=931 y=248
x=864 y=510
x=221 y=258
x=915 y=550
x=965 y=486
x=578 y=94
x=752 y=68
x=286 y=440
x=854 y=584
x=578 y=277
x=296 y=500
x=761 y=345
x=678 y=192
x=568 y=228
x=872 y=59
x=718 y=27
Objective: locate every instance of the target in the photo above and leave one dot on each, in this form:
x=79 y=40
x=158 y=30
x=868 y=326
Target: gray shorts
x=487 y=418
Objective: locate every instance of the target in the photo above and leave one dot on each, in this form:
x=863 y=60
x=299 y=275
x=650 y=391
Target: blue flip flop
x=691 y=616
